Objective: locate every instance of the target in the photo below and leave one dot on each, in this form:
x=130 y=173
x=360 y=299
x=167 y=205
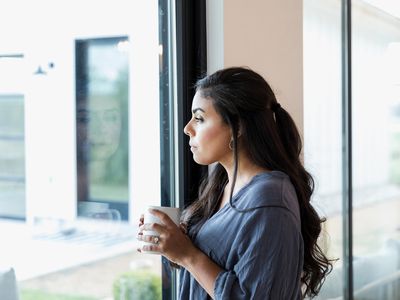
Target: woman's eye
x=198 y=119
x=83 y=119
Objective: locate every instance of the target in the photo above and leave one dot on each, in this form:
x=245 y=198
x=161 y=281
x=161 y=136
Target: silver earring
x=231 y=144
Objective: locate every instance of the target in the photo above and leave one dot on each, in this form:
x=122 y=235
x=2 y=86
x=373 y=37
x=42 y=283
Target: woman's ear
x=239 y=132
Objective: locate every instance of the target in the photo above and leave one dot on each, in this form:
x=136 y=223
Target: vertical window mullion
x=347 y=150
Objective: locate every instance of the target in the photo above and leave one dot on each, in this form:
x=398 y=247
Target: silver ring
x=156 y=240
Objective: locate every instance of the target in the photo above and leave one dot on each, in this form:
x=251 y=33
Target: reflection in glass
x=12 y=156
x=102 y=122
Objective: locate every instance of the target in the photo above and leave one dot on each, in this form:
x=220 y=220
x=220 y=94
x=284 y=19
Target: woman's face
x=99 y=127
x=209 y=135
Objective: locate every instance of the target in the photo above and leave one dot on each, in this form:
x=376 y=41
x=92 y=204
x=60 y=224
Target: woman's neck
x=247 y=169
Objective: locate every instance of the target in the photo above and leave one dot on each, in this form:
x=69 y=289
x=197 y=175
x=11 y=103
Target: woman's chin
x=198 y=161
x=201 y=161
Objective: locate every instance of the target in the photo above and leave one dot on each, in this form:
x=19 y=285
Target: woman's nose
x=186 y=129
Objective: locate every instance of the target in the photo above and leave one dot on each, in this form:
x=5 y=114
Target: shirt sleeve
x=270 y=259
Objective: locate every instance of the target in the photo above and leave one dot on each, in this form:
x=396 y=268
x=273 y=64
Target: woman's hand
x=140 y=233
x=172 y=242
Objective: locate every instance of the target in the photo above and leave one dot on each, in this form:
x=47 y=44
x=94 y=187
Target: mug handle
x=115 y=214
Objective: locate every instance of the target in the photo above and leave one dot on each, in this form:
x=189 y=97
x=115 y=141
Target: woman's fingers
x=141 y=222
x=172 y=240
x=150 y=239
x=165 y=219
x=141 y=219
x=151 y=248
x=153 y=227
x=154 y=243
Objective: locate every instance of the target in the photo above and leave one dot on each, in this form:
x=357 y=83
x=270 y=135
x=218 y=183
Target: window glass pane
x=12 y=115
x=12 y=156
x=12 y=198
x=323 y=127
x=102 y=123
x=376 y=190
x=94 y=116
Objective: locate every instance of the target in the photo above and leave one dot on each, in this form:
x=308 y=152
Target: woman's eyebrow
x=197 y=109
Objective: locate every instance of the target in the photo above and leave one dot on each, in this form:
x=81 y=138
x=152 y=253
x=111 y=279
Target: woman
x=252 y=233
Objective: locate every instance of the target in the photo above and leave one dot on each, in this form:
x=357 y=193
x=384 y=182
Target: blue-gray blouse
x=260 y=251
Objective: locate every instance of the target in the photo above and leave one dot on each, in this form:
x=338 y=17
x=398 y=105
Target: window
x=322 y=125
x=98 y=116
x=12 y=156
x=12 y=136
x=375 y=189
x=102 y=93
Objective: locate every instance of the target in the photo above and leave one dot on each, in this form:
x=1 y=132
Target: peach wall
x=265 y=35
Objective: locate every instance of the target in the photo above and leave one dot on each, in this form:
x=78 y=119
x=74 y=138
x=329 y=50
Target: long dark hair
x=247 y=103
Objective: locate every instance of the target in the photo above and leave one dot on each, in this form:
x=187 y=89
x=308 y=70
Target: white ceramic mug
x=172 y=212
